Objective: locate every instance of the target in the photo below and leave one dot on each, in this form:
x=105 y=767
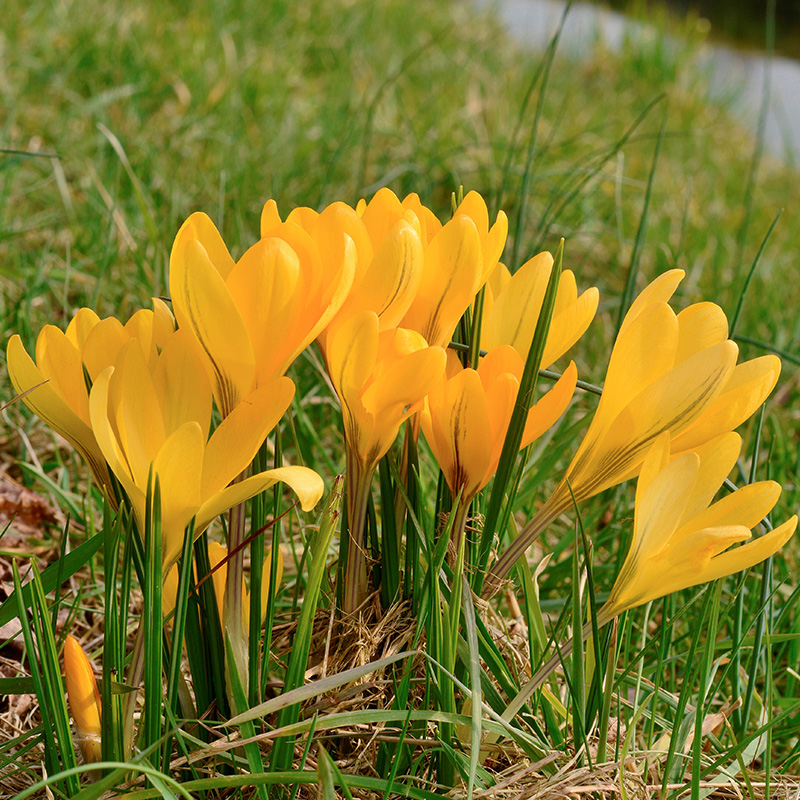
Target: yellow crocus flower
x=56 y=382
x=380 y=378
x=160 y=421
x=466 y=417
x=253 y=317
x=84 y=700
x=667 y=372
x=512 y=305
x=679 y=540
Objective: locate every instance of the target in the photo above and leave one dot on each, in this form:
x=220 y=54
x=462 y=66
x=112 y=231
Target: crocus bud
x=84 y=700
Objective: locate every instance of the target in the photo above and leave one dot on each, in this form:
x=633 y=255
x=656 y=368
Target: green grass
x=117 y=120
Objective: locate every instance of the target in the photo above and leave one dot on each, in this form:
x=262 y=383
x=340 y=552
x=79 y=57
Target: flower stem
x=134 y=678
x=555 y=505
x=232 y=621
x=355 y=576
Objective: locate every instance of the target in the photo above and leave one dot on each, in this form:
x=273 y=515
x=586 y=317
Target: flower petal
x=569 y=324
x=389 y=285
x=103 y=344
x=306 y=484
x=450 y=279
x=746 y=506
x=546 y=411
x=181 y=385
x=750 y=554
x=659 y=291
x=178 y=467
x=748 y=386
x=717 y=459
x=235 y=442
x=701 y=325
x=200 y=228
x=515 y=312
x=203 y=304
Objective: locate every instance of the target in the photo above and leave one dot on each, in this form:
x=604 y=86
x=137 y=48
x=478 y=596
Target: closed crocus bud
x=84 y=700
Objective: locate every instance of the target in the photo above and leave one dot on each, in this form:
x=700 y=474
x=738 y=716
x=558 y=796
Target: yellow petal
x=746 y=506
x=751 y=553
x=84 y=699
x=748 y=386
x=642 y=354
x=235 y=442
x=450 y=279
x=567 y=292
x=269 y=217
x=134 y=405
x=163 y=322
x=659 y=291
x=717 y=459
x=103 y=345
x=352 y=350
x=660 y=508
x=200 y=228
x=515 y=312
x=263 y=286
x=219 y=574
x=203 y=303
x=381 y=214
x=80 y=326
x=389 y=286
x=340 y=217
x=701 y=325
x=654 y=462
x=429 y=222
x=568 y=325
x=546 y=411
x=673 y=401
x=464 y=423
x=178 y=466
x=60 y=363
x=44 y=401
x=181 y=385
x=105 y=432
x=305 y=483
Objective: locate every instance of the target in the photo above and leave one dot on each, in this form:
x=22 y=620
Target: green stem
x=134 y=678
x=555 y=505
x=232 y=622
x=355 y=576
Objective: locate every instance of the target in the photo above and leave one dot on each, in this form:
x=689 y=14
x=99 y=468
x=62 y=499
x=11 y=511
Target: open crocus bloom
x=253 y=317
x=512 y=305
x=667 y=373
x=679 y=540
x=160 y=421
x=466 y=416
x=64 y=360
x=84 y=700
